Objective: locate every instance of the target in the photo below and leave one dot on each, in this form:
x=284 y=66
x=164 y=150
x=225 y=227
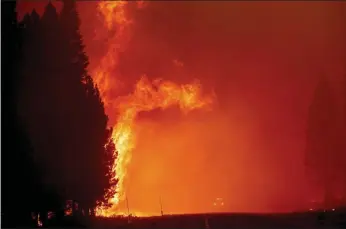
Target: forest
x=57 y=146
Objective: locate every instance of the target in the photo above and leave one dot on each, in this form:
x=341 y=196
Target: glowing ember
x=39 y=222
x=146 y=96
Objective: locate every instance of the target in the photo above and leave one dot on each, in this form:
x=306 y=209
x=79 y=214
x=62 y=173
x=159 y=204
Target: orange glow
x=146 y=96
x=115 y=19
x=263 y=65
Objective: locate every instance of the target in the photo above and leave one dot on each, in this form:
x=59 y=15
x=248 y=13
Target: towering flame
x=146 y=96
x=115 y=19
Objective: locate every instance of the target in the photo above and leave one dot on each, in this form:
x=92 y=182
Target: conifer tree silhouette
x=62 y=108
x=321 y=139
x=91 y=123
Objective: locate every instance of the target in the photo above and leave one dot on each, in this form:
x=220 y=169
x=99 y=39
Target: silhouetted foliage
x=91 y=121
x=322 y=139
x=22 y=189
x=62 y=108
x=108 y=169
x=12 y=155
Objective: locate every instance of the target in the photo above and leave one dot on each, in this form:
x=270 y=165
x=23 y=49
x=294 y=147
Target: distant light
x=50 y=214
x=333 y=209
x=39 y=222
x=221 y=203
x=311 y=209
x=33 y=215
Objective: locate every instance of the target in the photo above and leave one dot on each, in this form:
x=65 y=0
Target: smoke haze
x=262 y=60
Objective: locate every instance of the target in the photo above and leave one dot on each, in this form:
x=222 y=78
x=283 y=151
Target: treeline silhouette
x=56 y=144
x=326 y=144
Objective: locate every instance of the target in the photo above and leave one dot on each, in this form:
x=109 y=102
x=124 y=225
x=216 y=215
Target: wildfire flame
x=146 y=96
x=115 y=19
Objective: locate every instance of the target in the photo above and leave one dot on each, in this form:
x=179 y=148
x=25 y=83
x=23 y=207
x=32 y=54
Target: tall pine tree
x=62 y=108
x=14 y=150
x=21 y=177
x=92 y=121
x=321 y=140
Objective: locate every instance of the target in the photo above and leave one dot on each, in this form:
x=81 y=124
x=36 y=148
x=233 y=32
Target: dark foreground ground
x=333 y=219
x=306 y=220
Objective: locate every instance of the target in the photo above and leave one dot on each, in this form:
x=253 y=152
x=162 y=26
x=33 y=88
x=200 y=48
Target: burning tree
x=147 y=95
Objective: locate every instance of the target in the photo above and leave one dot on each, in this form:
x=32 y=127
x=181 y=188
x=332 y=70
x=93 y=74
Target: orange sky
x=262 y=60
